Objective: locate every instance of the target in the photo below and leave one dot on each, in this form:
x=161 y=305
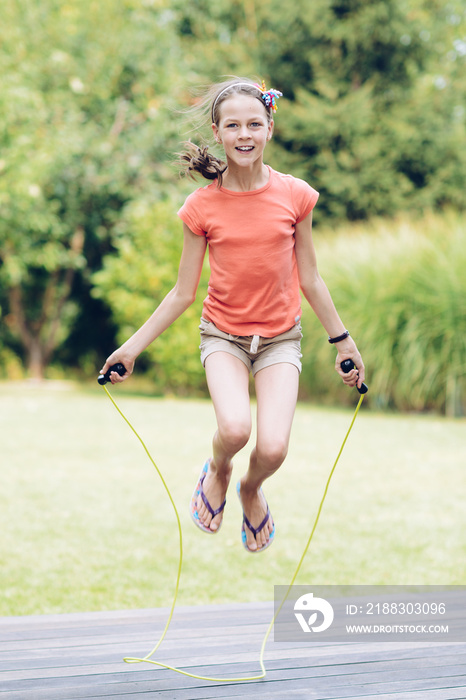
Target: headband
x=269 y=97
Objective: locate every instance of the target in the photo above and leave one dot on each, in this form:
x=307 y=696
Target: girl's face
x=243 y=129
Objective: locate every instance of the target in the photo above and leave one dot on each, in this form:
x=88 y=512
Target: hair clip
x=269 y=97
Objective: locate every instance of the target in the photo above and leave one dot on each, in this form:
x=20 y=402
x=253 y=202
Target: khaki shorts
x=256 y=352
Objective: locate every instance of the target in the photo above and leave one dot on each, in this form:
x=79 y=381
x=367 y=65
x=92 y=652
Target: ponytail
x=198 y=160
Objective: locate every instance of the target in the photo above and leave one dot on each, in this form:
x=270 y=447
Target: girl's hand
x=347 y=350
x=122 y=357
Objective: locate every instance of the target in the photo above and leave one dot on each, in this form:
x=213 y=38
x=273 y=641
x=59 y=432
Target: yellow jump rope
x=347 y=365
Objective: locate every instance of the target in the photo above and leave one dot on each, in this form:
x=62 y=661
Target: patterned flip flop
x=255 y=530
x=199 y=491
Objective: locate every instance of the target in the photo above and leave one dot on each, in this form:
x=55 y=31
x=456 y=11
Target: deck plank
x=80 y=655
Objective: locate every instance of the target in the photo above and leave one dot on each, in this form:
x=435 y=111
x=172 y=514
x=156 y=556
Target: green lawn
x=87 y=525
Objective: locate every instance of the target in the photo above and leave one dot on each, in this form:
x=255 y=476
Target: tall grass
x=401 y=289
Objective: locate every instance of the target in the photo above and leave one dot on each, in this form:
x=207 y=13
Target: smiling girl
x=257 y=225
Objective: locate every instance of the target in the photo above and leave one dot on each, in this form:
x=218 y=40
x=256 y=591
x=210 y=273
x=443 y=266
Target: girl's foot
x=214 y=488
x=256 y=515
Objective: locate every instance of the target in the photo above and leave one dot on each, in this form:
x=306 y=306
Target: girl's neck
x=245 y=179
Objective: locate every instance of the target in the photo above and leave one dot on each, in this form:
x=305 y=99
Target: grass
x=402 y=293
x=86 y=524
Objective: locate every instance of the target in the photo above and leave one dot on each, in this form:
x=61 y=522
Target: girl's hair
x=198 y=160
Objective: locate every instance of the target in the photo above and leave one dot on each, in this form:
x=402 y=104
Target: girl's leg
x=277 y=393
x=228 y=382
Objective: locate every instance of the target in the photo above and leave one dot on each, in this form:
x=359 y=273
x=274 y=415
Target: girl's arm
x=318 y=296
x=172 y=306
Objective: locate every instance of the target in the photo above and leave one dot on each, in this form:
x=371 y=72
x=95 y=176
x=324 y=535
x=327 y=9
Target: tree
x=82 y=131
x=374 y=111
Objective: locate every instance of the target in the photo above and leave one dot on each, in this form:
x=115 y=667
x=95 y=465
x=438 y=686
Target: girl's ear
x=216 y=134
x=270 y=130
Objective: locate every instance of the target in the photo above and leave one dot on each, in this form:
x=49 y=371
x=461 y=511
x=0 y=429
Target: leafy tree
x=83 y=131
x=375 y=90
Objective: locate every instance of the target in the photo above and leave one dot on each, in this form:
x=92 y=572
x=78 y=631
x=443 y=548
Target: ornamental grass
x=400 y=287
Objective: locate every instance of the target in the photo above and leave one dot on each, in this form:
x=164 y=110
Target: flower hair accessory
x=270 y=97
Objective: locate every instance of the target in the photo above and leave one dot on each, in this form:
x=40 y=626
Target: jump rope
x=347 y=366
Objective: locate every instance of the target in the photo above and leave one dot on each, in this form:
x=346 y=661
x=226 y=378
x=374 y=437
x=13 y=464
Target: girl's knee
x=272 y=454
x=234 y=435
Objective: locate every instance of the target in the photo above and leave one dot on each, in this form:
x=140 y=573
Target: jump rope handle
x=119 y=368
x=347 y=366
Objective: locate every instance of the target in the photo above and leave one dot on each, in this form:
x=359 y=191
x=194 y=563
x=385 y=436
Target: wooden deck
x=67 y=657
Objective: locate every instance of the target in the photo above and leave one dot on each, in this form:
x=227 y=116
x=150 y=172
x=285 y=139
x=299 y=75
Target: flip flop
x=199 y=491
x=255 y=530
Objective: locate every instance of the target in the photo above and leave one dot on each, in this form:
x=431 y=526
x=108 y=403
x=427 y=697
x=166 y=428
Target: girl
x=257 y=224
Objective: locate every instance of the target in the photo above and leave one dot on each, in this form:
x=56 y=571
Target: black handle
x=347 y=366
x=119 y=368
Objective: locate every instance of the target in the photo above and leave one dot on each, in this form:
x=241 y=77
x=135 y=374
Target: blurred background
x=94 y=105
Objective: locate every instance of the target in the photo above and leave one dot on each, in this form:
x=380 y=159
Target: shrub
x=401 y=289
x=134 y=282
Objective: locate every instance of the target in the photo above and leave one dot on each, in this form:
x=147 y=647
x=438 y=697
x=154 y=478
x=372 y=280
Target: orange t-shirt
x=253 y=287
